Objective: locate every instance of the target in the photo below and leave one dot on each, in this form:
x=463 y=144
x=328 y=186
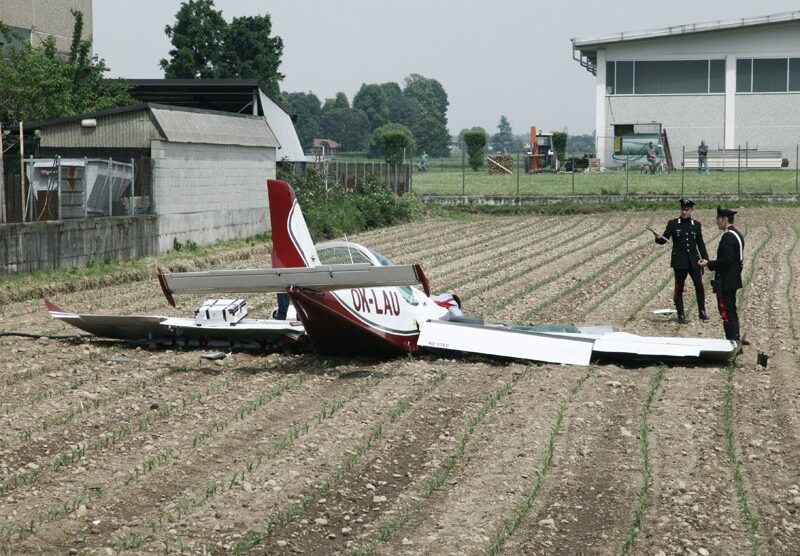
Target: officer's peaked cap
x=687 y=203
x=727 y=213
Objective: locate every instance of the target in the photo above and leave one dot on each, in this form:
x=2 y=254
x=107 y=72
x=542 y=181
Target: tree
x=307 y=110
x=37 y=83
x=250 y=52
x=372 y=100
x=431 y=129
x=429 y=93
x=205 y=46
x=347 y=126
x=560 y=144
x=339 y=101
x=475 y=139
x=504 y=138
x=390 y=141
x=198 y=37
x=432 y=136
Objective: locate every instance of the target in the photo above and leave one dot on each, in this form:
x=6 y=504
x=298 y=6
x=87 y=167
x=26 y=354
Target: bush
x=330 y=212
x=390 y=141
x=476 y=141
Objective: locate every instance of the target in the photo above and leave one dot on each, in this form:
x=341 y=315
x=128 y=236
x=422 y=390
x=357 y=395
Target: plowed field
x=162 y=451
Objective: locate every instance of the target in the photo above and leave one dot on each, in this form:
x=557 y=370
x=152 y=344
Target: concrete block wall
x=209 y=193
x=75 y=243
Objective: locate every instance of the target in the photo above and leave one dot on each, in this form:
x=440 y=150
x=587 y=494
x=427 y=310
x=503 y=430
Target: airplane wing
x=571 y=348
x=163 y=330
x=330 y=277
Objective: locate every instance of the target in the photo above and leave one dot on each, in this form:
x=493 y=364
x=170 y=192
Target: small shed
x=207 y=169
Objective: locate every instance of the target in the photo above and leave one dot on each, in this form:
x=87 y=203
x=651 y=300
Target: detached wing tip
x=52 y=307
x=162 y=281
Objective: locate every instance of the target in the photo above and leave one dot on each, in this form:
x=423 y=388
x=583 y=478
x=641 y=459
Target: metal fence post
x=683 y=166
x=58 y=185
x=30 y=201
x=627 y=169
x=110 y=187
x=85 y=188
x=517 y=176
x=463 y=175
x=796 y=168
x=739 y=170
x=133 y=187
x=22 y=203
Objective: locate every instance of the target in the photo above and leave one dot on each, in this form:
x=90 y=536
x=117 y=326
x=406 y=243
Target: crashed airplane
x=349 y=299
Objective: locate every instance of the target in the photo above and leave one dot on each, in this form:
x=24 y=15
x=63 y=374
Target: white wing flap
x=331 y=277
x=505 y=342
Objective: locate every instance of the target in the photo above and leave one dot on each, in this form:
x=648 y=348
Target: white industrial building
x=735 y=84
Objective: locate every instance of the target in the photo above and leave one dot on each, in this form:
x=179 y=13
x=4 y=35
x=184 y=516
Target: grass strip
x=437 y=481
x=647 y=468
x=254 y=538
x=44 y=283
x=790 y=285
x=511 y=524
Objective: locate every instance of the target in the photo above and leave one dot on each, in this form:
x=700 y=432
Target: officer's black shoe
x=681 y=318
x=703 y=314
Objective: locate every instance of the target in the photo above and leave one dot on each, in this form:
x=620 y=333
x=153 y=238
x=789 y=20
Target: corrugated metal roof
x=687 y=29
x=216 y=128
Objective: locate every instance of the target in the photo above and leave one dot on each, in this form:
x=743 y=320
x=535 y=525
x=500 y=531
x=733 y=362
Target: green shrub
x=390 y=142
x=331 y=212
x=476 y=141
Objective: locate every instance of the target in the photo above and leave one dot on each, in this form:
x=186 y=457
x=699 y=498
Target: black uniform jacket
x=728 y=266
x=687 y=242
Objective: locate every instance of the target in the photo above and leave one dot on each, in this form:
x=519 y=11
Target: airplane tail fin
x=292 y=245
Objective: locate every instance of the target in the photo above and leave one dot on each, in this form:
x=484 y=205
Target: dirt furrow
x=357 y=492
x=498 y=466
x=765 y=420
x=586 y=503
x=130 y=505
x=501 y=287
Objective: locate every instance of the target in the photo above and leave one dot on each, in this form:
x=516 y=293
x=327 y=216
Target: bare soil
x=282 y=453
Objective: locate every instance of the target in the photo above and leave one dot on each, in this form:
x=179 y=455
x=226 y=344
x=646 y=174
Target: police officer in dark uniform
x=688 y=248
x=727 y=272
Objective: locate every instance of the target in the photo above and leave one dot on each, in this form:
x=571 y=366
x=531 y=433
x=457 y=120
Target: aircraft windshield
x=381 y=259
x=405 y=291
x=341 y=255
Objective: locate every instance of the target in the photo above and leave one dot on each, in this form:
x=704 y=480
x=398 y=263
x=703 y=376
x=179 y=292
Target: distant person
x=702 y=157
x=727 y=272
x=651 y=157
x=687 y=248
x=423 y=162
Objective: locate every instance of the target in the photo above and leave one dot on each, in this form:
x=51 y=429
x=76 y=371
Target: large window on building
x=767 y=75
x=665 y=77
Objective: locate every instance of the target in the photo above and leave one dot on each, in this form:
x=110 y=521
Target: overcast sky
x=511 y=57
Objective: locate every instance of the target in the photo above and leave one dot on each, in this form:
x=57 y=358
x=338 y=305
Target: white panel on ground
x=505 y=342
